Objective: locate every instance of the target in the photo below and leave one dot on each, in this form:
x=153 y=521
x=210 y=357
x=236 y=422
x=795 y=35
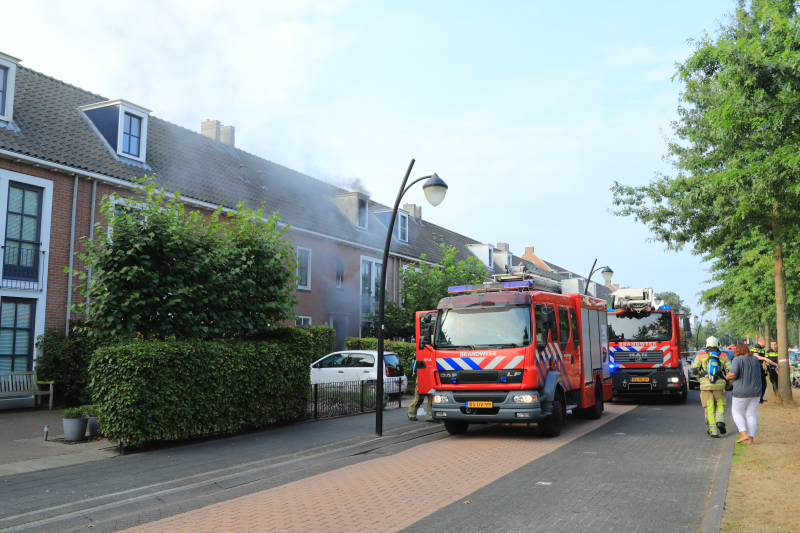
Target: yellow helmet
x=712 y=342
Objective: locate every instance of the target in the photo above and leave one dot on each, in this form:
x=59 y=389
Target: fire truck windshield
x=640 y=326
x=507 y=326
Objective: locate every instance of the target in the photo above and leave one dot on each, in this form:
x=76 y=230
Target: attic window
x=362 y=213
x=8 y=72
x=131 y=135
x=491 y=258
x=3 y=89
x=122 y=125
x=403 y=227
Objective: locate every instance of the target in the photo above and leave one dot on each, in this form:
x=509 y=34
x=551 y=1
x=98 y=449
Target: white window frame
x=491 y=258
x=402 y=217
x=301 y=319
x=115 y=200
x=10 y=63
x=366 y=209
x=308 y=286
x=132 y=109
x=374 y=261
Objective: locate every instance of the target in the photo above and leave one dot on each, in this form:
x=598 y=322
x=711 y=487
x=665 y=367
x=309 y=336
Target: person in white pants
x=746 y=375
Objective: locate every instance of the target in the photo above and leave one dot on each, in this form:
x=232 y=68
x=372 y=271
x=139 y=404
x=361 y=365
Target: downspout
x=91 y=236
x=71 y=251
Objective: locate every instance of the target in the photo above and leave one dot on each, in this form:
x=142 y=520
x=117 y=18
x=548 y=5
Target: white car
x=360 y=365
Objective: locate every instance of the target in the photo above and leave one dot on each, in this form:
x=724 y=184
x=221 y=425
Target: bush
x=406 y=350
x=66 y=362
x=150 y=390
x=74 y=412
x=90 y=410
x=324 y=340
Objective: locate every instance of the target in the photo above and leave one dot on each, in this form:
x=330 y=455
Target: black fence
x=328 y=400
x=22 y=266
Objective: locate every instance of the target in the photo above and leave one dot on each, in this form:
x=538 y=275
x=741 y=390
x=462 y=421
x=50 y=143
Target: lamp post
x=606 y=271
x=658 y=302
x=435 y=190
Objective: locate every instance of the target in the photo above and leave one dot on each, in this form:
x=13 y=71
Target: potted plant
x=75 y=423
x=94 y=421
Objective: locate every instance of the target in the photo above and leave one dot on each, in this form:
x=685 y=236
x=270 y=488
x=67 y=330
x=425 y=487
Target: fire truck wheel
x=456 y=428
x=550 y=426
x=596 y=411
x=681 y=396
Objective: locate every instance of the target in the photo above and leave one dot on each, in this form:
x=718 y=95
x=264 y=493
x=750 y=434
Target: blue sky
x=529 y=110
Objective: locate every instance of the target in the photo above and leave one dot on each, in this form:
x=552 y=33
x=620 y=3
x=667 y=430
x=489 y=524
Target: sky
x=530 y=111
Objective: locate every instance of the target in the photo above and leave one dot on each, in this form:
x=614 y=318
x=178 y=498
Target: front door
x=340 y=323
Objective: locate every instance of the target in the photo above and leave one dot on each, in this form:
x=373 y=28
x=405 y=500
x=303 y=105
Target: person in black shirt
x=772 y=355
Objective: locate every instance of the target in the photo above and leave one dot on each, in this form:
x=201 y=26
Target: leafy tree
x=737 y=148
x=675 y=302
x=398 y=322
x=166 y=272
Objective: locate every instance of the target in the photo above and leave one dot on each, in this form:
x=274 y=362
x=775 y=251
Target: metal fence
x=328 y=400
x=23 y=266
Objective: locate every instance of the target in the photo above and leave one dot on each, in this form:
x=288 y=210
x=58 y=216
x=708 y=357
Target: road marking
x=543 y=483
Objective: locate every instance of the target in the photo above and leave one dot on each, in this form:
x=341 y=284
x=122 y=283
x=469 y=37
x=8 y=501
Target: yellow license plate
x=479 y=404
x=640 y=379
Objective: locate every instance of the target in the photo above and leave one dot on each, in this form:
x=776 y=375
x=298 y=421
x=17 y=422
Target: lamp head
x=607 y=273
x=435 y=189
x=658 y=302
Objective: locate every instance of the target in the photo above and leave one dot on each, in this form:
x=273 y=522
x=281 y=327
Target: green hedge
x=324 y=341
x=406 y=350
x=151 y=390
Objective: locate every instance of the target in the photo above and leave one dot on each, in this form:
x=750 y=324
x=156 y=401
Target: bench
x=17 y=384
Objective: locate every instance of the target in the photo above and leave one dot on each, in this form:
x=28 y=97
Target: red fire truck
x=519 y=349
x=645 y=342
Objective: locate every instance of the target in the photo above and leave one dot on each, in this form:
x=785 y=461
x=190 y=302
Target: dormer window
x=402 y=222
x=8 y=73
x=362 y=213
x=355 y=206
x=122 y=125
x=491 y=258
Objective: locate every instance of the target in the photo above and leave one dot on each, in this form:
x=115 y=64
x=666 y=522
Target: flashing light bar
x=665 y=308
x=456 y=289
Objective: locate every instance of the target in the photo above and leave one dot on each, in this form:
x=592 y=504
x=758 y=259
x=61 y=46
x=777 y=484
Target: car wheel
x=456 y=428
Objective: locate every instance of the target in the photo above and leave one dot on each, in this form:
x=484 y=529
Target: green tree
x=737 y=148
x=675 y=302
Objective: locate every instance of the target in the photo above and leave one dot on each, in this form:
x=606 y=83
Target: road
x=645 y=466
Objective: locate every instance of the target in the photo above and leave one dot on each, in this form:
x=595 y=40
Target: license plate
x=640 y=379
x=479 y=404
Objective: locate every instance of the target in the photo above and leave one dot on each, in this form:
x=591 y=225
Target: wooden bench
x=18 y=384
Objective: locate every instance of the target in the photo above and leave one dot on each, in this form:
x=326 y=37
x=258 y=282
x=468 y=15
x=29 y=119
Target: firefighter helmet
x=712 y=342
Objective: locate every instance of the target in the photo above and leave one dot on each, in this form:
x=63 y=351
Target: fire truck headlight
x=674 y=380
x=524 y=398
x=440 y=399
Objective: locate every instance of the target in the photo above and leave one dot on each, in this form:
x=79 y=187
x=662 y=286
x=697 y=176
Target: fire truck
x=645 y=343
x=523 y=348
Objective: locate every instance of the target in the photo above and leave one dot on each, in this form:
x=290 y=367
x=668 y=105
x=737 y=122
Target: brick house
x=63 y=149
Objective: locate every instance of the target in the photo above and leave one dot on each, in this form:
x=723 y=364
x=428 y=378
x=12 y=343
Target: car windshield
x=640 y=326
x=469 y=328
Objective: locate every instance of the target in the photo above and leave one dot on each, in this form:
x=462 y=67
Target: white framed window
x=131 y=134
x=123 y=125
x=491 y=258
x=402 y=227
x=303 y=321
x=370 y=286
x=124 y=205
x=8 y=75
x=362 y=216
x=339 y=276
x=303 y=268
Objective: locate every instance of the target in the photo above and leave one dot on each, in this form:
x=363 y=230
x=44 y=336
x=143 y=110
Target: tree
x=398 y=322
x=675 y=302
x=737 y=149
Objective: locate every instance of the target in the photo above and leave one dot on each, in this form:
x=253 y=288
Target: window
x=21 y=253
x=336 y=360
x=362 y=213
x=304 y=268
x=403 y=227
x=16 y=334
x=131 y=135
x=541 y=333
x=361 y=360
x=575 y=330
x=3 y=89
x=303 y=321
x=339 y=276
x=491 y=257
x=370 y=286
x=563 y=327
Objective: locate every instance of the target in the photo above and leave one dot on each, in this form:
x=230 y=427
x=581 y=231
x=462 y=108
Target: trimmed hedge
x=324 y=341
x=406 y=350
x=151 y=390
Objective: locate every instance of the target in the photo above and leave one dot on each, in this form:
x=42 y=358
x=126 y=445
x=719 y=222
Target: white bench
x=17 y=384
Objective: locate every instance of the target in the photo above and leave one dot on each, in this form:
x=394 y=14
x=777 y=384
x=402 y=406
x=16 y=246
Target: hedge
x=406 y=350
x=324 y=341
x=152 y=390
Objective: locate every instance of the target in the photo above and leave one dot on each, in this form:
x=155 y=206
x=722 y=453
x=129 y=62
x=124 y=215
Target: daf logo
x=639 y=358
x=512 y=374
x=449 y=374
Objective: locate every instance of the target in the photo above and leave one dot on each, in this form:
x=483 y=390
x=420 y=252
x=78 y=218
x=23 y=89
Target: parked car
x=359 y=365
x=694 y=383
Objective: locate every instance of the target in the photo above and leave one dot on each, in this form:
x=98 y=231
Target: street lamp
x=606 y=271
x=435 y=190
x=658 y=302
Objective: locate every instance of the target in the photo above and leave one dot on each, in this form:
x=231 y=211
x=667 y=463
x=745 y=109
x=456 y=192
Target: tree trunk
x=779 y=272
x=766 y=334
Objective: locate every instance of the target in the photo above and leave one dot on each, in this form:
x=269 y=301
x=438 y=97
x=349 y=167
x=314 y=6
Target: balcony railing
x=23 y=266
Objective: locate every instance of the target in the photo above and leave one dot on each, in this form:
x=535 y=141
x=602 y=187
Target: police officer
x=712 y=384
x=419 y=398
x=772 y=355
x=758 y=350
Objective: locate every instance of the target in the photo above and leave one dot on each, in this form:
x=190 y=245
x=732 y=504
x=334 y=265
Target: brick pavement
x=384 y=494
x=29 y=424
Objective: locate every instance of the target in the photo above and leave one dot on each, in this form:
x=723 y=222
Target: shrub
x=90 y=410
x=150 y=390
x=324 y=339
x=74 y=412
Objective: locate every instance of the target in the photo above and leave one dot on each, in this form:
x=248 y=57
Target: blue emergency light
x=453 y=381
x=665 y=308
x=503 y=380
x=490 y=286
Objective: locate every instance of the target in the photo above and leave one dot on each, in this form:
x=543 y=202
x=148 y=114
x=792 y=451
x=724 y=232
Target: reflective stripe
x=494 y=362
x=514 y=362
x=472 y=364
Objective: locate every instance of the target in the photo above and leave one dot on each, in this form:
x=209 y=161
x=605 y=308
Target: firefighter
x=758 y=350
x=419 y=398
x=711 y=366
x=772 y=355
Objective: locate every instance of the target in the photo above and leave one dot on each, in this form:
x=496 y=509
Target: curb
x=712 y=517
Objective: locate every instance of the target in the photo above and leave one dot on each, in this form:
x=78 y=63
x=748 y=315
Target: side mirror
x=687 y=327
x=548 y=318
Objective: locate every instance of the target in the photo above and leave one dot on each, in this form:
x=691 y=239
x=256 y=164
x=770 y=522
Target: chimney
x=210 y=129
x=418 y=213
x=228 y=136
x=529 y=249
x=411 y=209
x=502 y=246
x=436 y=238
x=262 y=179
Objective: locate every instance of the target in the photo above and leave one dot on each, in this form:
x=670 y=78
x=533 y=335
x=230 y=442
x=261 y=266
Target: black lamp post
x=607 y=274
x=435 y=189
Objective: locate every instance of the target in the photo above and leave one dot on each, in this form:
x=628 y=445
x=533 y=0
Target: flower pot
x=94 y=426
x=75 y=428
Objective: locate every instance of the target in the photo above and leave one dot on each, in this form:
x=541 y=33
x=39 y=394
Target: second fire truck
x=645 y=343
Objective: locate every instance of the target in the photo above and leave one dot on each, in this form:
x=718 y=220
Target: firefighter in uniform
x=772 y=355
x=712 y=384
x=758 y=349
x=419 y=398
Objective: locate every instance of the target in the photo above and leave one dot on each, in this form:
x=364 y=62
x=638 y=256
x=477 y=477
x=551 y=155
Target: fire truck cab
x=519 y=349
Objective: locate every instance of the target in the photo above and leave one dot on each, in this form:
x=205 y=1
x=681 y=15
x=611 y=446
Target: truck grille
x=480 y=397
x=639 y=358
x=478 y=377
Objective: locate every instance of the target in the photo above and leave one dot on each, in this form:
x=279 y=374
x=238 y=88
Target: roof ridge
x=62 y=82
